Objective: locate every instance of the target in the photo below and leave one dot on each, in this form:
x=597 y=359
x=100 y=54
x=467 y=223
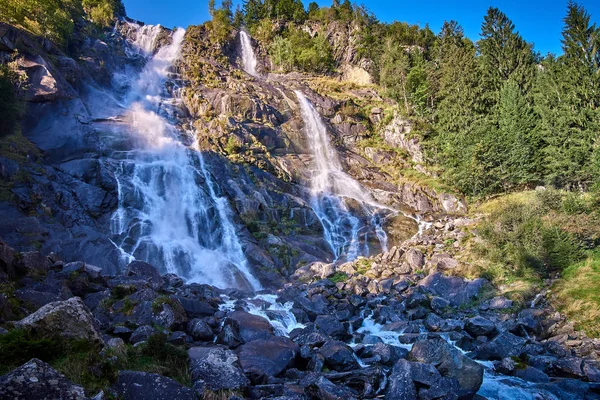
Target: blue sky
x=538 y=21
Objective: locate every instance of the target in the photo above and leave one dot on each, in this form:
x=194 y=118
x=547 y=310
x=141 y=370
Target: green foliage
x=339 y=277
x=10 y=107
x=55 y=19
x=221 y=24
x=519 y=238
x=298 y=50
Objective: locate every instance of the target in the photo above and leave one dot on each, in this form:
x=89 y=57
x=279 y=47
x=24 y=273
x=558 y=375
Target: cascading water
x=170 y=212
x=249 y=61
x=332 y=192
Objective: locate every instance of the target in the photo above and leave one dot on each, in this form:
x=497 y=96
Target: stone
x=134 y=385
x=503 y=345
x=338 y=356
x=264 y=358
x=32 y=263
x=331 y=326
x=140 y=269
x=69 y=319
x=241 y=327
x=36 y=380
x=142 y=334
x=401 y=385
x=441 y=262
x=500 y=303
x=319 y=387
x=439 y=304
x=196 y=308
x=450 y=363
x=479 y=326
x=217 y=368
x=415 y=259
x=456 y=290
x=199 y=330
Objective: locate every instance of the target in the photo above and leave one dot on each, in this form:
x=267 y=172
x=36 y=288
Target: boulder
x=441 y=262
x=401 y=385
x=264 y=358
x=479 y=326
x=7 y=259
x=338 y=356
x=241 y=327
x=134 y=385
x=140 y=269
x=415 y=259
x=331 y=326
x=200 y=330
x=450 y=363
x=457 y=291
x=503 y=345
x=36 y=380
x=69 y=319
x=217 y=368
x=319 y=387
x=32 y=263
x=142 y=334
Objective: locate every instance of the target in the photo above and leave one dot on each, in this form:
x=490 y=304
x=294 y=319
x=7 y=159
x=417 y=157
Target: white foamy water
x=171 y=213
x=249 y=61
x=331 y=191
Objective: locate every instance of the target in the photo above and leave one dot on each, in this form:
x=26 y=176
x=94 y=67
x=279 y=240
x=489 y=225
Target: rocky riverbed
x=373 y=328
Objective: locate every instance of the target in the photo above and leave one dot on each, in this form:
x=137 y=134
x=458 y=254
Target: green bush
x=520 y=237
x=298 y=50
x=10 y=107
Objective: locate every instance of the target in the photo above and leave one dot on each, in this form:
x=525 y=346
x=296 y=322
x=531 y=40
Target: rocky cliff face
x=63 y=198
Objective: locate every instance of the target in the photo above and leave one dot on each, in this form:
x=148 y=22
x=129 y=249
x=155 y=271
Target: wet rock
x=217 y=368
x=134 y=385
x=196 y=308
x=36 y=380
x=504 y=345
x=450 y=363
x=479 y=326
x=241 y=327
x=531 y=374
x=338 y=356
x=331 y=326
x=319 y=387
x=263 y=358
x=200 y=330
x=140 y=269
x=401 y=385
x=69 y=319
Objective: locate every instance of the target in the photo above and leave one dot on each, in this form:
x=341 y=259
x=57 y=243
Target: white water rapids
x=171 y=213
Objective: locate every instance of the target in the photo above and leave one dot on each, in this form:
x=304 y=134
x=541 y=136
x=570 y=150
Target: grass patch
x=578 y=294
x=339 y=277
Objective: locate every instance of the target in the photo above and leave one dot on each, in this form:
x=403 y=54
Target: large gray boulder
x=69 y=319
x=36 y=380
x=265 y=358
x=217 y=368
x=134 y=385
x=241 y=327
x=504 y=345
x=450 y=363
x=457 y=291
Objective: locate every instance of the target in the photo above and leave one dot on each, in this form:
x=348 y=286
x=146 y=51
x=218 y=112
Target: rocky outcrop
x=37 y=380
x=69 y=319
x=134 y=385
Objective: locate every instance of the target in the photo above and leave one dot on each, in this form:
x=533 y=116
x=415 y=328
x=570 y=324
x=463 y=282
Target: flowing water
x=171 y=213
x=339 y=201
x=249 y=61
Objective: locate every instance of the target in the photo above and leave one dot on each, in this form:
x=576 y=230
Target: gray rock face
x=36 y=380
x=450 y=363
x=200 y=330
x=134 y=385
x=144 y=270
x=242 y=327
x=265 y=358
x=320 y=387
x=217 y=368
x=69 y=319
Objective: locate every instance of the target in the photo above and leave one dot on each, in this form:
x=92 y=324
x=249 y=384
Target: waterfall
x=335 y=196
x=170 y=212
x=249 y=61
